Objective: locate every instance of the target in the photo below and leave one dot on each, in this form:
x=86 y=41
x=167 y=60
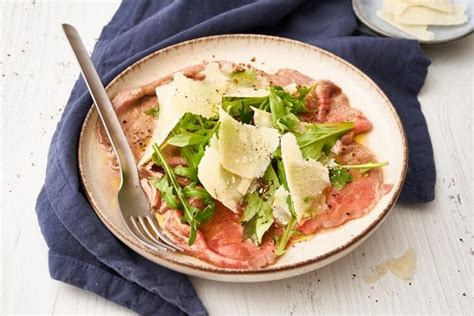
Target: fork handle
x=103 y=105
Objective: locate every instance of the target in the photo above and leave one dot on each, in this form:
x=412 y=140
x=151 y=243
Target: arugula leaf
x=244 y=77
x=192 y=134
x=295 y=102
x=205 y=214
x=271 y=178
x=250 y=229
x=230 y=103
x=277 y=107
x=283 y=240
x=303 y=91
x=256 y=228
x=339 y=177
x=188 y=172
x=183 y=204
x=282 y=178
x=288 y=122
x=166 y=191
x=193 y=155
x=281 y=171
x=289 y=231
x=253 y=206
x=193 y=129
x=193 y=191
x=258 y=216
x=240 y=107
x=186 y=138
x=364 y=168
x=282 y=105
x=282 y=117
x=246 y=116
x=155 y=112
x=319 y=138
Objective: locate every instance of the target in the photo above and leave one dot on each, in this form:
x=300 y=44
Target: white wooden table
x=37 y=74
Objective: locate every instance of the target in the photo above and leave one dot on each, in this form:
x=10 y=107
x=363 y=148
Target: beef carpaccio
x=238 y=163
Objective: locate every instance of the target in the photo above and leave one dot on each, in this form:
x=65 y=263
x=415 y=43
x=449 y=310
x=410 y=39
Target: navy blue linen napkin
x=83 y=252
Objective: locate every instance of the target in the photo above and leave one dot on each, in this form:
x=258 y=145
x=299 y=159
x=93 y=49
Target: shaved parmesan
x=440 y=5
x=184 y=95
x=245 y=149
x=201 y=97
x=307 y=179
x=417 y=15
x=262 y=118
x=223 y=185
x=280 y=209
x=238 y=91
x=291 y=88
x=417 y=31
x=165 y=123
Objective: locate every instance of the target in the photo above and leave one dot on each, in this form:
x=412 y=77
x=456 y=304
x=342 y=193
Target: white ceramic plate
x=387 y=140
x=366 y=11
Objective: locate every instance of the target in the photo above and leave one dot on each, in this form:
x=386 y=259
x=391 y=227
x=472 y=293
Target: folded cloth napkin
x=83 y=252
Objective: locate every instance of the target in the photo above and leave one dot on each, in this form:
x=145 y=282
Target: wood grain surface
x=37 y=74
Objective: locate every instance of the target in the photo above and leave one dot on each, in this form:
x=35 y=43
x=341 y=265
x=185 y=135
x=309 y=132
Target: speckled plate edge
x=357 y=10
x=271 y=273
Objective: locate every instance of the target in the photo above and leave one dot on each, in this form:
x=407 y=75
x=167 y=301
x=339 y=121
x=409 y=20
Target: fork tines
x=149 y=232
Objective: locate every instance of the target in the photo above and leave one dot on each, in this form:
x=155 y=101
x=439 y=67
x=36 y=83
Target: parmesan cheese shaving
x=223 y=185
x=245 y=149
x=306 y=179
x=164 y=124
x=291 y=88
x=184 y=95
x=280 y=209
x=262 y=118
x=239 y=91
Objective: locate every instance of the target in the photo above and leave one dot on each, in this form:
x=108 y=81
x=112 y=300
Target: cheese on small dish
x=417 y=31
x=307 y=179
x=399 y=6
x=440 y=5
x=245 y=149
x=222 y=185
x=414 y=16
x=395 y=6
x=417 y=15
x=280 y=209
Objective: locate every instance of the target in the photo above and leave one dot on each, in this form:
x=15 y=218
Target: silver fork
x=133 y=202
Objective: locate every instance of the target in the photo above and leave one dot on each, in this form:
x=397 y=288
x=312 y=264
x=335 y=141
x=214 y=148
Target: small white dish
x=387 y=140
x=366 y=12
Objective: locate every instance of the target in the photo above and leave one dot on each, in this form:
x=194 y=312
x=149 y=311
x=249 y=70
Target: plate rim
x=379 y=31
x=225 y=271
